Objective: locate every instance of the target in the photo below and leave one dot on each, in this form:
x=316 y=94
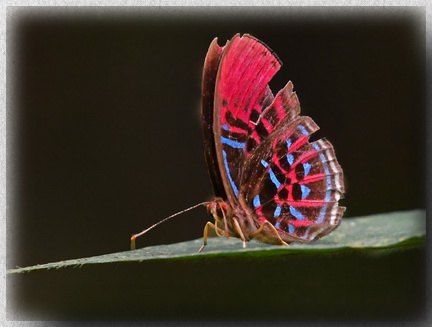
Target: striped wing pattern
x=294 y=184
x=265 y=161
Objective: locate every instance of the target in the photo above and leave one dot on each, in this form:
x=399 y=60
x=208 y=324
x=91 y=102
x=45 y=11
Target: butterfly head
x=218 y=209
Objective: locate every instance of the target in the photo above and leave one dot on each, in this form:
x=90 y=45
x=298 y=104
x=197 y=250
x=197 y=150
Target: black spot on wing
x=271 y=116
x=236 y=122
x=296 y=192
x=239 y=137
x=262 y=131
x=283 y=194
x=268 y=210
x=280 y=176
x=254 y=116
x=269 y=190
x=251 y=144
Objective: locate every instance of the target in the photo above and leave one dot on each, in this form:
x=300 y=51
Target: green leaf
x=390 y=230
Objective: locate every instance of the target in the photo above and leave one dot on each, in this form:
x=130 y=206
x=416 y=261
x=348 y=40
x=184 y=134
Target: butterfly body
x=271 y=183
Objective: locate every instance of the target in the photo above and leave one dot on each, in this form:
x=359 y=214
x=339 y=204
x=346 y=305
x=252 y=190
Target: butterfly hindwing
x=294 y=184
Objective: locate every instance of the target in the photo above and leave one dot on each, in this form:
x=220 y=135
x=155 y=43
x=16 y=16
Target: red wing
x=241 y=93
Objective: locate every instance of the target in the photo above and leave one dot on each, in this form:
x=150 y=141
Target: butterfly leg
x=239 y=231
x=212 y=207
x=264 y=232
x=206 y=228
x=225 y=221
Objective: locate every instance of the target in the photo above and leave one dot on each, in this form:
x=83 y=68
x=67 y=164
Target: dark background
x=103 y=121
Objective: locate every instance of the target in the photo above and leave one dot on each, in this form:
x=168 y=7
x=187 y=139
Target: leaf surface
x=388 y=230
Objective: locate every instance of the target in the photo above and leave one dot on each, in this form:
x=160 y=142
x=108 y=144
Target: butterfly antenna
x=162 y=221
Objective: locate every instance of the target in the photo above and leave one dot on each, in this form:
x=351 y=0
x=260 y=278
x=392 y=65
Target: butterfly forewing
x=241 y=94
x=211 y=65
x=284 y=104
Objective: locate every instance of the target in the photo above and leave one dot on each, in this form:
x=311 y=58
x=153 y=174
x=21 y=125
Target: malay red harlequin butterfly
x=271 y=183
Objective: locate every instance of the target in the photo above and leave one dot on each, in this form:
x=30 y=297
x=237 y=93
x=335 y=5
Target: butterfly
x=271 y=184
